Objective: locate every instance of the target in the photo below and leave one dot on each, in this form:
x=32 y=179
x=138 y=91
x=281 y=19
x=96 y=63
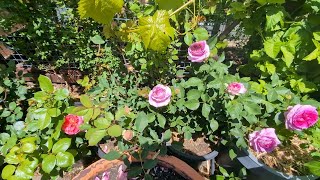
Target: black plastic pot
x=262 y=172
x=189 y=158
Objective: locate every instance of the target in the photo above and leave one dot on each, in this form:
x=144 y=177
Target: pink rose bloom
x=160 y=96
x=198 y=51
x=264 y=140
x=71 y=124
x=300 y=117
x=236 y=88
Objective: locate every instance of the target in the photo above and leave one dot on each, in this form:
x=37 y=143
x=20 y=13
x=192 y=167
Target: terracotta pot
x=263 y=172
x=171 y=162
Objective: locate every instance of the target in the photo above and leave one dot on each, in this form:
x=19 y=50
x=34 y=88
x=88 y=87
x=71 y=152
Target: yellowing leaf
x=156 y=31
x=315 y=54
x=272 y=48
x=287 y=56
x=101 y=11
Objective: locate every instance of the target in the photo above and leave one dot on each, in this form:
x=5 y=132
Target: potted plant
x=116 y=168
x=276 y=135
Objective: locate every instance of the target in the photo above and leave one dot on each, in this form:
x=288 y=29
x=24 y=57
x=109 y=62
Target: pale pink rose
x=160 y=96
x=300 y=117
x=264 y=140
x=236 y=88
x=127 y=135
x=198 y=51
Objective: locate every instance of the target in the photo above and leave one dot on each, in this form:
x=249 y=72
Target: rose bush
x=198 y=51
x=264 y=140
x=301 y=117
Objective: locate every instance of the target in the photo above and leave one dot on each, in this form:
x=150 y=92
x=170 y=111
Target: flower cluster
x=298 y=117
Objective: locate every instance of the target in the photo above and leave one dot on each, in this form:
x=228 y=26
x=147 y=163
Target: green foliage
x=287 y=35
x=55 y=36
x=101 y=11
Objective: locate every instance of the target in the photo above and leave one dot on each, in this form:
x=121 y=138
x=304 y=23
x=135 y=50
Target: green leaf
x=102 y=123
x=97 y=39
x=28 y=147
x=206 y=110
x=11 y=158
x=271 y=68
x=161 y=120
x=112 y=155
x=94 y=136
x=188 y=38
x=156 y=31
x=86 y=101
x=54 y=112
x=314 y=167
x=61 y=94
x=223 y=171
x=252 y=108
x=313 y=55
x=193 y=81
x=45 y=84
x=141 y=122
x=272 y=48
x=64 y=159
x=201 y=34
x=169 y=4
x=8 y=171
x=214 y=125
x=101 y=11
x=192 y=104
x=5 y=113
x=193 y=94
x=114 y=131
x=12 y=106
x=150 y=163
x=62 y=145
x=44 y=121
x=288 y=56
x=272 y=95
x=232 y=154
x=166 y=135
x=48 y=163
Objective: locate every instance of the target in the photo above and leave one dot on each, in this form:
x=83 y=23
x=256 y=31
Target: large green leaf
x=115 y=131
x=8 y=171
x=192 y=104
x=86 y=101
x=141 y=122
x=101 y=11
x=45 y=84
x=314 y=167
x=156 y=31
x=62 y=145
x=64 y=159
x=169 y=4
x=272 y=48
x=95 y=135
x=287 y=56
x=48 y=163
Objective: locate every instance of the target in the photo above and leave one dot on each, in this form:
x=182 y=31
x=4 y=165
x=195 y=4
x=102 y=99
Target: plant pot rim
x=192 y=157
x=171 y=162
x=250 y=162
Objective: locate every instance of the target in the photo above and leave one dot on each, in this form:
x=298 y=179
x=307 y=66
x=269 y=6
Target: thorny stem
x=182 y=7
